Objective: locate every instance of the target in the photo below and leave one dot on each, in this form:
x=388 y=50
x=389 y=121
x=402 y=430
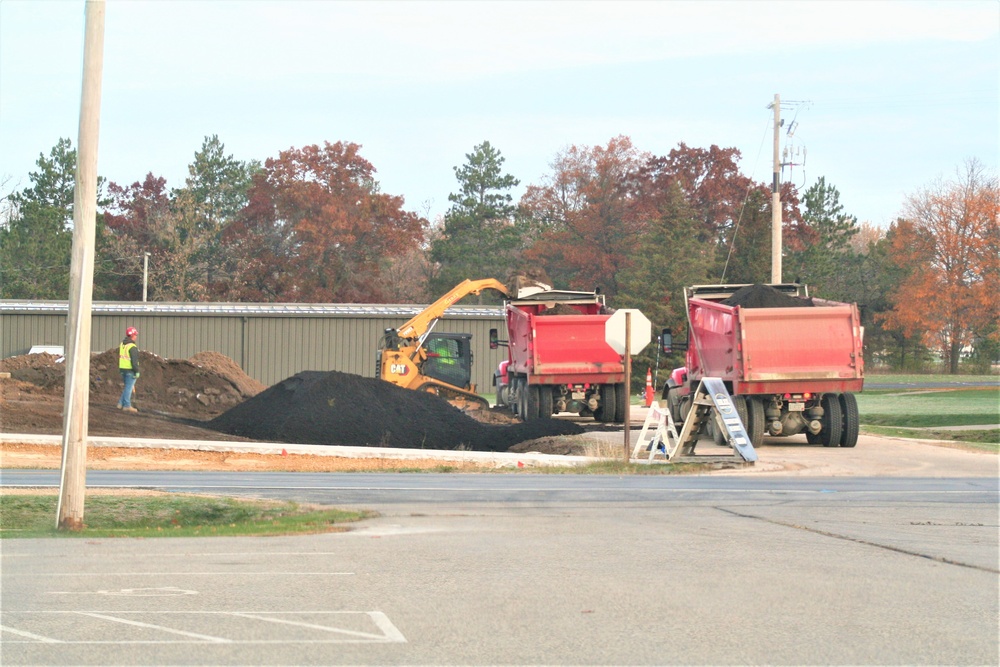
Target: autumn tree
x=144 y=217
x=317 y=229
x=585 y=233
x=478 y=238
x=668 y=257
x=949 y=239
x=730 y=208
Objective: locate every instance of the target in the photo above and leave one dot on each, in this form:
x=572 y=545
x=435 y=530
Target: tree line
x=312 y=225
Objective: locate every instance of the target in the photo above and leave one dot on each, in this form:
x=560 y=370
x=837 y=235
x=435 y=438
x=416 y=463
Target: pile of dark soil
x=333 y=408
x=765 y=296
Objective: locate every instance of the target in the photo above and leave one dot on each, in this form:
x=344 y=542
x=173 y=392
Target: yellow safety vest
x=124 y=356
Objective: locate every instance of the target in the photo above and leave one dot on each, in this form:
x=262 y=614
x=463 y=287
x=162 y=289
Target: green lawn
x=168 y=516
x=929 y=408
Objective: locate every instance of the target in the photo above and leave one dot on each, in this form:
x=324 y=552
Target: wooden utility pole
x=73 y=483
x=628 y=385
x=776 y=195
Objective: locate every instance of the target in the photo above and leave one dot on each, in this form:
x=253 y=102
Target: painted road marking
x=343 y=627
x=140 y=624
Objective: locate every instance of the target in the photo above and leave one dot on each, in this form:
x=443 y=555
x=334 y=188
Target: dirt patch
x=49 y=457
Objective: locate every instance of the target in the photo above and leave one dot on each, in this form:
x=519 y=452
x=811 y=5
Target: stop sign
x=641 y=330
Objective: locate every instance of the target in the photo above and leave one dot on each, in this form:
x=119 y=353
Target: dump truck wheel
x=813 y=438
x=718 y=437
x=849 y=414
x=621 y=397
x=830 y=435
x=755 y=429
x=605 y=412
x=673 y=400
x=545 y=402
x=741 y=410
x=529 y=402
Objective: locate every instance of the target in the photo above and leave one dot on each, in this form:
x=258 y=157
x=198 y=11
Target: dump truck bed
x=561 y=348
x=777 y=350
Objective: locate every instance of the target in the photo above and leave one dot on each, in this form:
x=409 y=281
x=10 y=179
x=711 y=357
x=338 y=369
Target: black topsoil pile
x=334 y=408
x=765 y=296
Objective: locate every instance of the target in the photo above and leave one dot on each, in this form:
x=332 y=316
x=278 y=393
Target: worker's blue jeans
x=126 y=400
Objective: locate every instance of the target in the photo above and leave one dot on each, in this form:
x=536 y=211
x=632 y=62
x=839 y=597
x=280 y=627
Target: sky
x=887 y=97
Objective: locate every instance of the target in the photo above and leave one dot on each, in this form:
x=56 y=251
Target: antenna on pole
x=776 y=195
x=776 y=182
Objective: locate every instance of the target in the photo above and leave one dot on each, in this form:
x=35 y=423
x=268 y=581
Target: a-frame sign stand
x=659 y=433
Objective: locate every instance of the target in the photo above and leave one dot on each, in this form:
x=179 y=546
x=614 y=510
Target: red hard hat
x=131 y=331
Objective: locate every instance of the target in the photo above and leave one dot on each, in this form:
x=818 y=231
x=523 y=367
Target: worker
x=128 y=366
x=445 y=365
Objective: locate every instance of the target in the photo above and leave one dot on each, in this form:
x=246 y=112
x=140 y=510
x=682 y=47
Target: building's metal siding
x=269 y=341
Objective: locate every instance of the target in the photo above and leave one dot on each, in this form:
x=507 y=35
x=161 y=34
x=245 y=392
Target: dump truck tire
x=605 y=412
x=832 y=420
x=621 y=400
x=545 y=402
x=851 y=419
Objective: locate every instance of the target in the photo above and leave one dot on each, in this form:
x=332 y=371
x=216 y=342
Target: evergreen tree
x=825 y=244
x=479 y=238
x=37 y=236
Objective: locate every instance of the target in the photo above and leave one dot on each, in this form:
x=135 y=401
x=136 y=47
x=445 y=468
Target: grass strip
x=169 y=516
x=987 y=440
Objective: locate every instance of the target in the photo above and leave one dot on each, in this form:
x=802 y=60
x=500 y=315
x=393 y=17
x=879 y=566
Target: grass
x=930 y=408
x=168 y=516
x=915 y=378
x=921 y=413
x=987 y=440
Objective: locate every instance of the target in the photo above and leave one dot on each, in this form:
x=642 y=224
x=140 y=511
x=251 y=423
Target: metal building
x=270 y=342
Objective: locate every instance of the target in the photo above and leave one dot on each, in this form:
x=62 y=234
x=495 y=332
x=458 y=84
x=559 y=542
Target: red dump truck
x=558 y=359
x=790 y=362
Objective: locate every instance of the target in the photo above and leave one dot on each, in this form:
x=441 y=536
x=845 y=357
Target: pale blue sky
x=900 y=93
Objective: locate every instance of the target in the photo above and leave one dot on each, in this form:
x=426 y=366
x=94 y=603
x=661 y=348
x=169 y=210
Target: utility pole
x=776 y=196
x=145 y=274
x=73 y=482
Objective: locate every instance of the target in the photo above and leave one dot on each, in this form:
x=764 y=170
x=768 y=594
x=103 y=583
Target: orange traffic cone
x=649 y=387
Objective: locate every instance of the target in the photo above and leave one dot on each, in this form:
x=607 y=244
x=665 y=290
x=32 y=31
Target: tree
x=478 y=238
x=668 y=258
x=143 y=217
x=823 y=247
x=317 y=229
x=214 y=194
x=950 y=239
x=730 y=208
x=36 y=236
x=586 y=234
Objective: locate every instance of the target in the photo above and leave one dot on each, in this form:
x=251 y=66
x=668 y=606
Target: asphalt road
x=529 y=569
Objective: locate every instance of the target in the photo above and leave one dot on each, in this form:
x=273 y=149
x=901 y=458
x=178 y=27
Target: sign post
x=627 y=331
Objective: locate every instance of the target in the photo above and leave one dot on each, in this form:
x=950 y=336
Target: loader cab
x=449 y=358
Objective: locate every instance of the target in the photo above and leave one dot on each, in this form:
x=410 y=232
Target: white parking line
x=349 y=634
x=30 y=635
x=140 y=624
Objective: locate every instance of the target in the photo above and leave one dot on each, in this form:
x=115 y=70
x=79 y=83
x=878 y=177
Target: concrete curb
x=495 y=459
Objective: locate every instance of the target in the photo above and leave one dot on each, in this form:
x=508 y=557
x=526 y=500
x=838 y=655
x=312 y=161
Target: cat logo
x=399 y=369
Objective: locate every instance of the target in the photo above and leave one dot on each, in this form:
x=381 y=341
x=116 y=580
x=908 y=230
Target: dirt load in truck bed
x=208 y=397
x=765 y=296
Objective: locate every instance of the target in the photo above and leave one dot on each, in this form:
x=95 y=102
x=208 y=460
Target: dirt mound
x=765 y=296
x=175 y=386
x=333 y=408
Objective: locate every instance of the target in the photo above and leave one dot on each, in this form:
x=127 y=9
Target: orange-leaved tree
x=318 y=229
x=586 y=235
x=949 y=241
